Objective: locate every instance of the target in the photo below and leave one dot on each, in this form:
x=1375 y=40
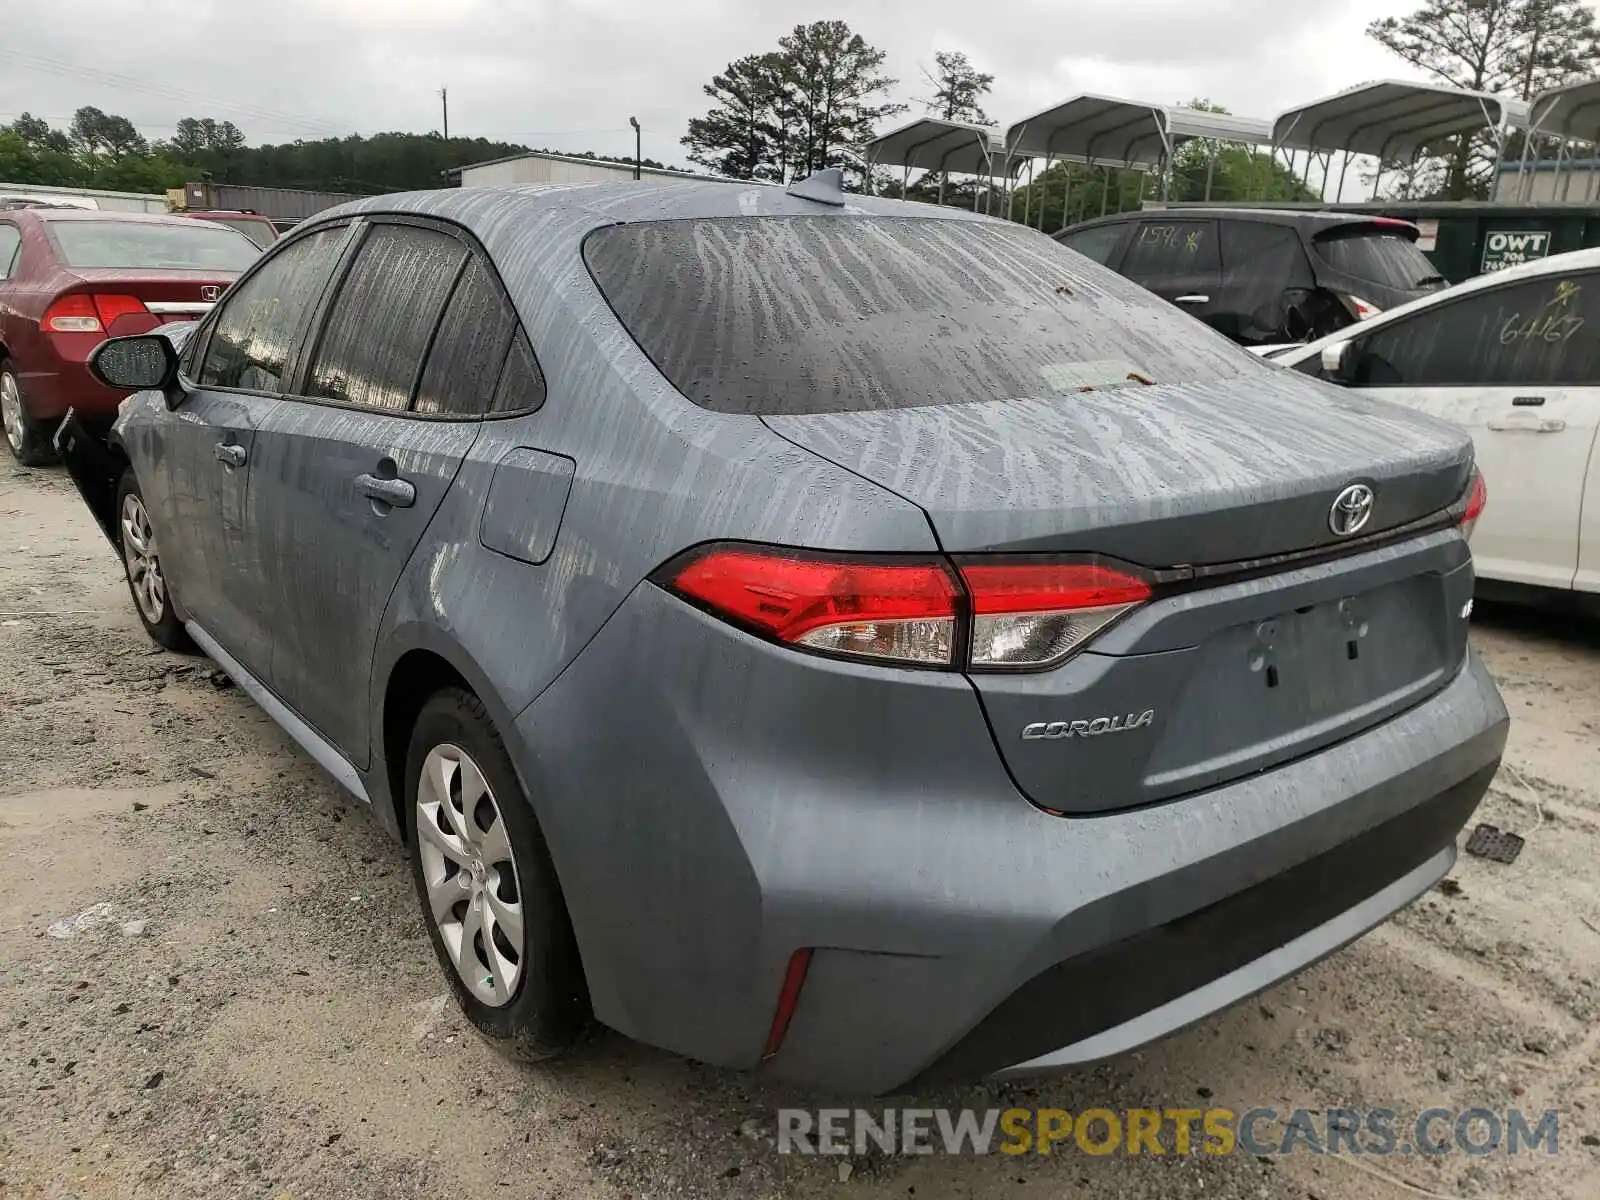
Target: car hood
x=1164 y=475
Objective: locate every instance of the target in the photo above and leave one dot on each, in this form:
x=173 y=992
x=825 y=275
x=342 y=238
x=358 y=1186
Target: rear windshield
x=1379 y=256
x=778 y=316
x=141 y=245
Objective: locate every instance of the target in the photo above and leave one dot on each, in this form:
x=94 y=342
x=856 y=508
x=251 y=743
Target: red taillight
x=1010 y=613
x=84 y=312
x=112 y=306
x=1032 y=614
x=793 y=978
x=872 y=608
x=1477 y=501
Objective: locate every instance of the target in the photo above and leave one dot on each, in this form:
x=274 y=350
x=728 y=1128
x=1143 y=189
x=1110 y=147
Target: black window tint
x=1380 y=256
x=471 y=344
x=1096 y=243
x=380 y=322
x=1171 y=248
x=521 y=383
x=261 y=317
x=786 y=315
x=10 y=243
x=1541 y=331
x=1268 y=282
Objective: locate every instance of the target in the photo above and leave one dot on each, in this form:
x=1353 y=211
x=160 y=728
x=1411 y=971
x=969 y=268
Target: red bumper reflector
x=793 y=979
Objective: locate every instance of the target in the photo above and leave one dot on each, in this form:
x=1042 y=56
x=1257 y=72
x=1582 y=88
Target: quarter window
x=1171 y=248
x=262 y=316
x=521 y=382
x=1542 y=331
x=380 y=323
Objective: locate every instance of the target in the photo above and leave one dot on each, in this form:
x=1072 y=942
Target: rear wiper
x=1426 y=279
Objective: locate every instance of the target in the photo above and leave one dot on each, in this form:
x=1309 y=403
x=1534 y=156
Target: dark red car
x=69 y=279
x=257 y=228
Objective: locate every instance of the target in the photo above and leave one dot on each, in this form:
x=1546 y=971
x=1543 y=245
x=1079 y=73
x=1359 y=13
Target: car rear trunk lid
x=1233 y=667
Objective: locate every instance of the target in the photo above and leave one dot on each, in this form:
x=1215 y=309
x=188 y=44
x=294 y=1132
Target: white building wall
x=533 y=169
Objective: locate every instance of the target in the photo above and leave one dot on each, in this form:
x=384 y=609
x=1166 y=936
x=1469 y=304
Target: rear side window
x=380 y=323
x=464 y=363
x=1543 y=331
x=1097 y=244
x=1377 y=255
x=790 y=315
x=1171 y=248
x=10 y=244
x=262 y=316
x=176 y=244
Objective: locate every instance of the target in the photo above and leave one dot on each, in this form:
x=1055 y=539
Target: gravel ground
x=245 y=1003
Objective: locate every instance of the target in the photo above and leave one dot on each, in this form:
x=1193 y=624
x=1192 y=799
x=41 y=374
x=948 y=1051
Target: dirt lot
x=247 y=1005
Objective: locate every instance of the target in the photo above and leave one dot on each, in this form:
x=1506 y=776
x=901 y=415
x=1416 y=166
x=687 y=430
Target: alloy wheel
x=474 y=895
x=11 y=412
x=144 y=564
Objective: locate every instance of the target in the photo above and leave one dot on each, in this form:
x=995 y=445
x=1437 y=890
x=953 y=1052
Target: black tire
x=548 y=1011
x=27 y=440
x=156 y=611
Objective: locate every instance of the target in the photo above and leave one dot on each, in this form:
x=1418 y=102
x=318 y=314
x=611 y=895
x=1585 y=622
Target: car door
x=350 y=471
x=197 y=479
x=1516 y=366
x=1265 y=284
x=1178 y=261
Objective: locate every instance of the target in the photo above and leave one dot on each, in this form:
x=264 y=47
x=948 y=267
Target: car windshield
x=153 y=245
x=1378 y=256
x=779 y=316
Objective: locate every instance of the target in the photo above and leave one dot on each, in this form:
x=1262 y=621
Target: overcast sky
x=566 y=74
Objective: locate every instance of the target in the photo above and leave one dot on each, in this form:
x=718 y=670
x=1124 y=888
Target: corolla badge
x=1351 y=510
x=1053 y=730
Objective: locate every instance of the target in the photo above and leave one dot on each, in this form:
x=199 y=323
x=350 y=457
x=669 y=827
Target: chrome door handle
x=394 y=492
x=1192 y=300
x=1526 y=423
x=230 y=454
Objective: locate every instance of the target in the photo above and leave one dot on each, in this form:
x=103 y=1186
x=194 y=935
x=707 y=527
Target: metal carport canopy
x=933 y=144
x=1391 y=119
x=1131 y=133
x=1571 y=112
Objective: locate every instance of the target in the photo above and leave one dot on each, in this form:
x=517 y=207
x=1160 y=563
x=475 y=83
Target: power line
x=258 y=112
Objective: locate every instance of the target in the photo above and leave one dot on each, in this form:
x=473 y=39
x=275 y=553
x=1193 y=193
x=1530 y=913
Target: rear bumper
x=742 y=802
x=57 y=385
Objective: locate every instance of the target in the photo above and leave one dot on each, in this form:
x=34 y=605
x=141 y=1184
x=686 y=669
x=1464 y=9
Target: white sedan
x=1514 y=358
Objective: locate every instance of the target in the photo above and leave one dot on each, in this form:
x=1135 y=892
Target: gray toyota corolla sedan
x=859 y=639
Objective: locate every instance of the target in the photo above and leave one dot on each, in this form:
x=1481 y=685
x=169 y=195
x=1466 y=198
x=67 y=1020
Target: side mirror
x=145 y=362
x=1339 y=362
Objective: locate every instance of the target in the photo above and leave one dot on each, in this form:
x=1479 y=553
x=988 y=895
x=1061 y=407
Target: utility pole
x=444 y=99
x=638 y=147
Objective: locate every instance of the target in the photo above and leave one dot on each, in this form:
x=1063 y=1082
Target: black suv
x=1263 y=276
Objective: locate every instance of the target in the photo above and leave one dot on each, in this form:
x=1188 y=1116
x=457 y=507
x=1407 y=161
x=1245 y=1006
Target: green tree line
x=104 y=150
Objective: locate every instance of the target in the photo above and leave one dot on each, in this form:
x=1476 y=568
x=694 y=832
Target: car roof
x=1555 y=264
x=101 y=214
x=1310 y=222
x=598 y=204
